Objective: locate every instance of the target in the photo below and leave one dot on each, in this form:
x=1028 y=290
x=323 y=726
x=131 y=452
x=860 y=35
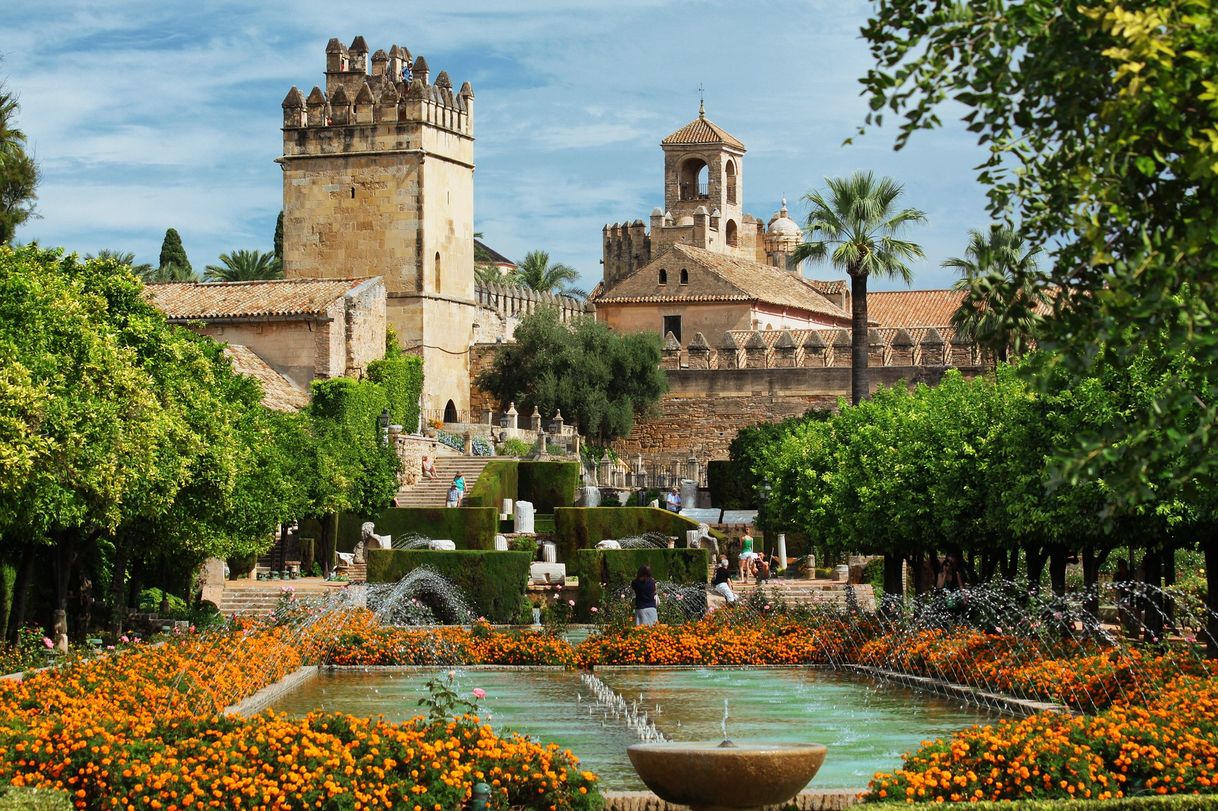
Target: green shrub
x=498 y=480
x=514 y=447
x=602 y=570
x=584 y=527
x=400 y=376
x=873 y=573
x=548 y=485
x=151 y=599
x=492 y=582
x=467 y=527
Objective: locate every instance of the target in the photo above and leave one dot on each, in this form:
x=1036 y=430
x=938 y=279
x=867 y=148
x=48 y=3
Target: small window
x=672 y=323
x=438 y=271
x=731 y=233
x=663 y=276
x=684 y=276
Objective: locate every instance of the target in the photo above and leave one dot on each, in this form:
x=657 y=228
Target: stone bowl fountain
x=718 y=776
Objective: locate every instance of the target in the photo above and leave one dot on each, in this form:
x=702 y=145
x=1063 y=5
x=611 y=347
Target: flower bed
x=143 y=729
x=363 y=642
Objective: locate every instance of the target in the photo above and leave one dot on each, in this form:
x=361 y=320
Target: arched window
x=731 y=182
x=731 y=233
x=437 y=271
x=692 y=180
x=663 y=276
x=684 y=276
x=450 y=412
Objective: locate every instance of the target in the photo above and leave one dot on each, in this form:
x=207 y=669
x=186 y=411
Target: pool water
x=866 y=727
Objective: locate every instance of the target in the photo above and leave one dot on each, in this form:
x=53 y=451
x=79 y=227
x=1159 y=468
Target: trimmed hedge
x=599 y=569
x=584 y=527
x=548 y=485
x=493 y=582
x=498 y=480
x=1171 y=802
x=467 y=527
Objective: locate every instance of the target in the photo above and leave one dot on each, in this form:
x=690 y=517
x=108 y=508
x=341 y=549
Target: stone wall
x=704 y=408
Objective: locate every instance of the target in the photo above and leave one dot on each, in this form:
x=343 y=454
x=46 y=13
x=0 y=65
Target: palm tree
x=18 y=172
x=142 y=270
x=489 y=274
x=170 y=273
x=245 y=266
x=536 y=273
x=855 y=229
x=1004 y=292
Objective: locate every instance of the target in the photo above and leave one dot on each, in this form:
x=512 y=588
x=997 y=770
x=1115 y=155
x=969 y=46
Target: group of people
x=751 y=564
x=456 y=490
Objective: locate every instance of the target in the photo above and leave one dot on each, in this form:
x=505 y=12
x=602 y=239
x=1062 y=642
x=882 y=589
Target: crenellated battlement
x=627 y=247
x=374 y=106
x=821 y=348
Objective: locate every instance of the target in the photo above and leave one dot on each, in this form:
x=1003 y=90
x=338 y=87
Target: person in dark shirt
x=721 y=582
x=644 y=586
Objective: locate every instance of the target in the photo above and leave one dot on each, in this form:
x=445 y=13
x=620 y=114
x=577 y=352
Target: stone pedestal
x=507 y=507
x=524 y=516
x=213 y=580
x=549 y=553
x=841 y=573
x=501 y=543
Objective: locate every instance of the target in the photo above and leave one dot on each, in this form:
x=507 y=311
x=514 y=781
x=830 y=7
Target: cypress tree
x=279 y=237
x=172 y=252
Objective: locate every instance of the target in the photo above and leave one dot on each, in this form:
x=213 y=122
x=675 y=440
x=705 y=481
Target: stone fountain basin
x=707 y=776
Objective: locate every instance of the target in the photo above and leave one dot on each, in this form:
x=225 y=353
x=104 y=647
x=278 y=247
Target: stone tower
x=378 y=180
x=703 y=204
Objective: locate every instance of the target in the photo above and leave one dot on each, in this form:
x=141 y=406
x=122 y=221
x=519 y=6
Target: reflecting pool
x=866 y=727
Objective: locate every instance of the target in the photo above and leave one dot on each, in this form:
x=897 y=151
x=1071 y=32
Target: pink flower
x=481 y=619
x=678 y=596
x=479 y=692
x=594 y=609
x=46 y=640
x=109 y=647
x=123 y=638
x=570 y=602
x=767 y=606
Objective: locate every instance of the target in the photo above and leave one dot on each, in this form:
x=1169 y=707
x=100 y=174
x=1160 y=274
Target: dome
x=782 y=225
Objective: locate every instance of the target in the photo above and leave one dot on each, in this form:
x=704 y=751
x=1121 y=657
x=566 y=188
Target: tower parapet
x=381 y=103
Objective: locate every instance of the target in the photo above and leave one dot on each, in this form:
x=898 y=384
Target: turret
x=357 y=54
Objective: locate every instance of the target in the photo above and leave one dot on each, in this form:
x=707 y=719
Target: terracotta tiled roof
x=214 y=300
x=278 y=392
x=717 y=277
x=913 y=308
x=831 y=287
x=701 y=131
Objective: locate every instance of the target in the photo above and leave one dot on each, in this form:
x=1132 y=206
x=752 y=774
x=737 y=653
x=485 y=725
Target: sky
x=146 y=115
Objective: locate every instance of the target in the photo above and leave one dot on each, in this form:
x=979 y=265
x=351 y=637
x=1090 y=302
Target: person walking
x=459 y=483
x=454 y=496
x=645 y=603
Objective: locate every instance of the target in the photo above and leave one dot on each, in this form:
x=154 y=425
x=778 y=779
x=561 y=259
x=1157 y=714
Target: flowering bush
x=143 y=728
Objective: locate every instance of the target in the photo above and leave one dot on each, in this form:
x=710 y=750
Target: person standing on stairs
x=459 y=483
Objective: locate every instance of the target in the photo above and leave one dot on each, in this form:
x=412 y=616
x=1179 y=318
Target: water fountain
x=422 y=597
x=710 y=776
x=648 y=540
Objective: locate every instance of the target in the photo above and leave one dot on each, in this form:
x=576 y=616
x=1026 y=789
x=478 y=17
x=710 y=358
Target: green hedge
x=498 y=480
x=548 y=485
x=400 y=376
x=584 y=527
x=467 y=527
x=1174 y=802
x=493 y=582
x=599 y=569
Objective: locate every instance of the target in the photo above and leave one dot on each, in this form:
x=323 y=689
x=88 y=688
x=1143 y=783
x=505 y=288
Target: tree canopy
x=1102 y=125
x=245 y=266
x=599 y=379
x=173 y=265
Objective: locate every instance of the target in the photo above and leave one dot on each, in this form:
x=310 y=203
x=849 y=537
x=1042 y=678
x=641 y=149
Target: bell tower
x=703 y=177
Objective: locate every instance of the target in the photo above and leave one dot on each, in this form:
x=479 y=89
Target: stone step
x=434 y=492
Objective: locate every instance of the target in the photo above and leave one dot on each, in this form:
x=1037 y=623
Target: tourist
x=459 y=483
x=644 y=586
x=761 y=570
x=454 y=496
x=429 y=468
x=746 y=557
x=672 y=500
x=950 y=584
x=721 y=581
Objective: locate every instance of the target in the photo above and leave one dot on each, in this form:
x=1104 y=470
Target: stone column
x=513 y=417
x=524 y=517
x=535 y=420
x=782 y=550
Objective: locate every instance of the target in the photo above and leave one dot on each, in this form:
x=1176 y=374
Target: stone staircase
x=260 y=597
x=434 y=492
x=808 y=593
